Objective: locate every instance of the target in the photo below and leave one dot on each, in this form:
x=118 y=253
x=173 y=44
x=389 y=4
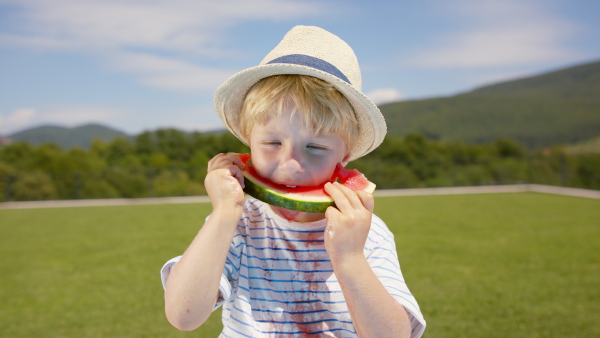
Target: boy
x=280 y=272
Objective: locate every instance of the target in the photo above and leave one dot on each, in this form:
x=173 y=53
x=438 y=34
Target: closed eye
x=317 y=147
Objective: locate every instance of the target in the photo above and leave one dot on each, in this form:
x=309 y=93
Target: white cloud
x=169 y=73
x=132 y=34
x=499 y=34
x=75 y=115
x=17 y=119
x=184 y=25
x=385 y=95
x=191 y=125
x=190 y=118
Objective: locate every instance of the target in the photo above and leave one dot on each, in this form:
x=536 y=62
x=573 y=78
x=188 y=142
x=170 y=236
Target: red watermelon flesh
x=308 y=199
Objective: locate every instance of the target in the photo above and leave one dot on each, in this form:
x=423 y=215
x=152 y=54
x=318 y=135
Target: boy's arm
x=193 y=284
x=374 y=312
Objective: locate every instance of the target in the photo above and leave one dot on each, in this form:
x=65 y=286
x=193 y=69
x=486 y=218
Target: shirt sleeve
x=224 y=285
x=165 y=271
x=382 y=256
x=231 y=269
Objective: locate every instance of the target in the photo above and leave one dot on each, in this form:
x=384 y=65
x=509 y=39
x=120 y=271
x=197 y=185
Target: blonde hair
x=321 y=107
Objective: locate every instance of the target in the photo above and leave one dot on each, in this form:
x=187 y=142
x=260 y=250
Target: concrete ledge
x=492 y=189
x=575 y=192
x=104 y=202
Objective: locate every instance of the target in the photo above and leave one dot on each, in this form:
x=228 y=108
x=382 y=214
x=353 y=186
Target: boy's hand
x=224 y=181
x=348 y=223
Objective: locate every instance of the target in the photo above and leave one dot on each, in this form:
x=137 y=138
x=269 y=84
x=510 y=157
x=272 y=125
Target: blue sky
x=143 y=65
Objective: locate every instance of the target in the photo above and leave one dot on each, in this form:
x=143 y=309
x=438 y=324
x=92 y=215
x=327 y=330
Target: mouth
x=290 y=184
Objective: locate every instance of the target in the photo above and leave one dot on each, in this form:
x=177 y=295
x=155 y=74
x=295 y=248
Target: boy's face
x=285 y=152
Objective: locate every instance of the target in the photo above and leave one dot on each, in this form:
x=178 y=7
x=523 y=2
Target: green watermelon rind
x=291 y=201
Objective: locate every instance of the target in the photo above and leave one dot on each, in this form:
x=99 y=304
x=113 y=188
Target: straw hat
x=315 y=52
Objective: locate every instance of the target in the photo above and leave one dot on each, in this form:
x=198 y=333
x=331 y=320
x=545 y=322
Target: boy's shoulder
x=379 y=229
x=254 y=213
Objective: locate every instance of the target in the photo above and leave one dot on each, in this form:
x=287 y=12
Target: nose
x=290 y=161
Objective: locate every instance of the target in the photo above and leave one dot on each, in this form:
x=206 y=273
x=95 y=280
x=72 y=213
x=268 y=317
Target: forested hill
x=555 y=108
x=81 y=136
x=579 y=82
x=561 y=107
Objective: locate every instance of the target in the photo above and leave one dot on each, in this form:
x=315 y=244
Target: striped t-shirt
x=278 y=279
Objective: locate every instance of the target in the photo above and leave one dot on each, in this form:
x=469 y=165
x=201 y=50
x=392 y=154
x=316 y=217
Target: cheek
x=323 y=170
x=263 y=163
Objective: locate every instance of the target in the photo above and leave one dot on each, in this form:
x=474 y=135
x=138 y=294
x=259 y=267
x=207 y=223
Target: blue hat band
x=313 y=62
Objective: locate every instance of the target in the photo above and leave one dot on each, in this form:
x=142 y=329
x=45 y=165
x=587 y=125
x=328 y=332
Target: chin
x=289 y=215
x=297 y=216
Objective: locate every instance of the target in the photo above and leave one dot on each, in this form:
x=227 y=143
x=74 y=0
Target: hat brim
x=229 y=98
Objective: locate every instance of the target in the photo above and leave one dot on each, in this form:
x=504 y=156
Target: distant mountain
x=81 y=136
x=559 y=107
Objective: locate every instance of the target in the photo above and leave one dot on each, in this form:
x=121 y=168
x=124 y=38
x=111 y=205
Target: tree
x=34 y=186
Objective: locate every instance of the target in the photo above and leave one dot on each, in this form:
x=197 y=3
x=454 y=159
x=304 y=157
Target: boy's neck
x=296 y=216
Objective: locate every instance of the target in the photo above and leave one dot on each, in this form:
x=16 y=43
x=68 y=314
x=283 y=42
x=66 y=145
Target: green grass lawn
x=504 y=265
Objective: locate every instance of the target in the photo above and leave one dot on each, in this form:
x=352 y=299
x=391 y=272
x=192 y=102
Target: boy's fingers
x=212 y=161
x=237 y=173
x=367 y=200
x=235 y=159
x=340 y=199
x=331 y=214
x=224 y=160
x=351 y=195
x=216 y=161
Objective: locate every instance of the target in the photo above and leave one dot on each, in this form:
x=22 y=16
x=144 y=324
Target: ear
x=346 y=159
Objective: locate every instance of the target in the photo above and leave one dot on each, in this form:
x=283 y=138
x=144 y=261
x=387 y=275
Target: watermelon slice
x=306 y=199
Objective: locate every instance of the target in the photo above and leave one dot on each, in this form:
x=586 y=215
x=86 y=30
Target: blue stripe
x=253 y=209
x=385 y=238
x=301 y=312
x=248 y=218
x=385 y=259
x=313 y=62
x=305 y=323
x=242 y=311
x=287 y=259
x=248 y=278
x=406 y=299
x=296 y=313
x=284 y=270
x=382 y=268
x=396 y=289
x=285 y=239
x=392 y=278
x=381 y=248
x=298 y=301
x=288 y=230
x=287 y=280
x=238 y=332
x=283 y=249
x=296 y=291
x=243 y=323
